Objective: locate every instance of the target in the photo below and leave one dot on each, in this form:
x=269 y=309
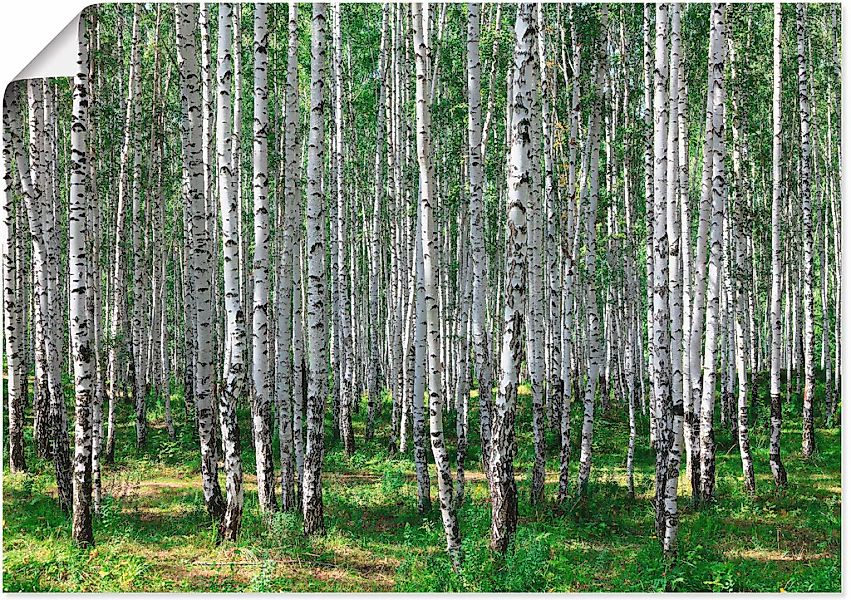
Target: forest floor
x=154 y=534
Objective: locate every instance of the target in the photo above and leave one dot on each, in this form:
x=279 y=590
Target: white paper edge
x=58 y=58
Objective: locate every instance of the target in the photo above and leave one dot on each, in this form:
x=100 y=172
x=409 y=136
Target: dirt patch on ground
x=148 y=489
x=774 y=555
x=182 y=566
x=358 y=568
x=793 y=544
x=200 y=577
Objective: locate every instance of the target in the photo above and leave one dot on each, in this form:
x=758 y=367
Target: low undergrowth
x=153 y=534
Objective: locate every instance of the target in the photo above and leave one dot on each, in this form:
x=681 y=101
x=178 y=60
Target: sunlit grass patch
x=153 y=533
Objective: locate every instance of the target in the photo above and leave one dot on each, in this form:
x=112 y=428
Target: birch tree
x=569 y=252
x=80 y=323
x=589 y=203
x=718 y=195
x=430 y=290
x=673 y=412
x=535 y=334
x=739 y=301
x=33 y=181
x=186 y=17
x=14 y=309
x=374 y=398
x=316 y=273
x=262 y=397
x=233 y=371
x=118 y=318
x=346 y=351
x=284 y=294
x=481 y=342
x=661 y=309
x=418 y=387
x=777 y=469
x=805 y=117
x=138 y=310
x=523 y=79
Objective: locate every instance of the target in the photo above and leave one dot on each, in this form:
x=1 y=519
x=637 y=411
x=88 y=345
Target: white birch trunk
x=374 y=398
x=193 y=197
x=14 y=309
x=778 y=471
x=80 y=323
x=431 y=291
x=591 y=194
x=523 y=76
x=648 y=193
x=674 y=412
x=284 y=292
x=692 y=401
x=661 y=406
x=478 y=253
x=809 y=440
x=535 y=333
x=418 y=387
x=741 y=282
x=233 y=371
x=346 y=358
x=718 y=194
x=568 y=278
x=261 y=376
x=317 y=348
x=137 y=328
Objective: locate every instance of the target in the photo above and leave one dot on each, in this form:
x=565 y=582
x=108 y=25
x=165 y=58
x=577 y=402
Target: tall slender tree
x=481 y=342
x=777 y=469
x=741 y=277
x=120 y=333
x=137 y=315
x=589 y=202
x=374 y=399
x=14 y=304
x=569 y=253
x=430 y=287
x=661 y=407
x=186 y=18
x=233 y=371
x=316 y=272
x=673 y=414
x=346 y=357
x=805 y=117
x=261 y=374
x=523 y=79
x=718 y=193
x=78 y=262
x=284 y=293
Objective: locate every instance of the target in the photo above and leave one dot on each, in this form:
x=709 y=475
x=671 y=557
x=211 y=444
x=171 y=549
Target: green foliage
x=153 y=533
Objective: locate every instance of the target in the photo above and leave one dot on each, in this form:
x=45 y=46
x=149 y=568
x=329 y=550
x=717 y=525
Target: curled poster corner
x=57 y=58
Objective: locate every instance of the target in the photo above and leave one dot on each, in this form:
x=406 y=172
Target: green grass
x=154 y=534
